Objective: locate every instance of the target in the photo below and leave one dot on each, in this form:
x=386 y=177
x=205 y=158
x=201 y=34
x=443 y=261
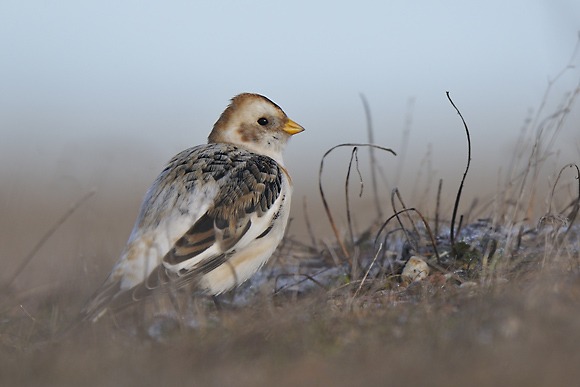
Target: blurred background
x=98 y=95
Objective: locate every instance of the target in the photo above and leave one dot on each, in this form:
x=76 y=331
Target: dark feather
x=254 y=184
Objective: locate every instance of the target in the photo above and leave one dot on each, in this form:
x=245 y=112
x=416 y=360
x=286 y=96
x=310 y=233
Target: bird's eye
x=263 y=121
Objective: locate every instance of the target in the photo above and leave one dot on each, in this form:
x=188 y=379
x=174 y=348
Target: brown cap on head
x=254 y=121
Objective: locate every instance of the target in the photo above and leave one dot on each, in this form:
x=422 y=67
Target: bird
x=214 y=215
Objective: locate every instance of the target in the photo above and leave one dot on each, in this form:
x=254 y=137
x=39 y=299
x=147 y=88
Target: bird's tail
x=101 y=301
x=112 y=297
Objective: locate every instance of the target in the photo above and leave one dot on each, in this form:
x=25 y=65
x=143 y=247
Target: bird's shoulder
x=214 y=162
x=225 y=179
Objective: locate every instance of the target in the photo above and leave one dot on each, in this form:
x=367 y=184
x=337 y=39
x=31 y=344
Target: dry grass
x=513 y=334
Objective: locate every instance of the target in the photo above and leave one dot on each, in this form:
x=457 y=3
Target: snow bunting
x=214 y=215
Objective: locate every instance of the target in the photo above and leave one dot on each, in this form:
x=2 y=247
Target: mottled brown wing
x=251 y=184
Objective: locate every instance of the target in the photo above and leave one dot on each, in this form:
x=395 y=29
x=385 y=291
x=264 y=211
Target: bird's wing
x=244 y=198
x=242 y=210
x=193 y=216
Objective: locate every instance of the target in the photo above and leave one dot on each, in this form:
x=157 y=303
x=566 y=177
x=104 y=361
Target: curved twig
x=574 y=212
x=325 y=202
x=451 y=233
x=395 y=192
x=427 y=227
x=305 y=277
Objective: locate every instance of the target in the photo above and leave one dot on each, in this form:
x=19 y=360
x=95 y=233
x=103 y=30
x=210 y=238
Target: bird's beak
x=292 y=128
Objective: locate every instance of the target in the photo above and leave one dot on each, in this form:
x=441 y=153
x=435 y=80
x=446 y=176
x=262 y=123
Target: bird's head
x=254 y=122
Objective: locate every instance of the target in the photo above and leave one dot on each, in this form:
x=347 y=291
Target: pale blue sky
x=80 y=76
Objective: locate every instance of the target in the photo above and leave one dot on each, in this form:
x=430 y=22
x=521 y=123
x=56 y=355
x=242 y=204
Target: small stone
x=416 y=269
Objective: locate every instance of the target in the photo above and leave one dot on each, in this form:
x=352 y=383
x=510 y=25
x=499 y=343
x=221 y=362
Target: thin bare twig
x=533 y=160
x=451 y=233
x=405 y=140
x=460 y=224
x=572 y=216
x=323 y=197
x=550 y=202
x=549 y=126
x=367 y=272
x=305 y=277
x=394 y=193
x=438 y=206
x=353 y=156
x=427 y=227
x=309 y=225
x=373 y=161
x=46 y=237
